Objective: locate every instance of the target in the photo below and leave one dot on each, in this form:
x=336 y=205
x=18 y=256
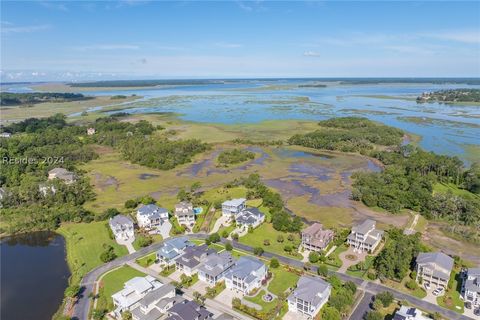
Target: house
x=150 y=216
x=214 y=267
x=184 y=213
x=122 y=227
x=172 y=249
x=5 y=135
x=471 y=286
x=409 y=313
x=188 y=310
x=251 y=217
x=46 y=189
x=155 y=304
x=309 y=296
x=434 y=268
x=133 y=291
x=365 y=237
x=233 y=207
x=247 y=274
x=315 y=238
x=66 y=176
x=189 y=261
x=90 y=131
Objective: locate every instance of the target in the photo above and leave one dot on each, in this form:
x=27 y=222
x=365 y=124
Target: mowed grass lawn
x=113 y=282
x=267 y=232
x=85 y=242
x=282 y=280
x=451 y=300
x=147 y=260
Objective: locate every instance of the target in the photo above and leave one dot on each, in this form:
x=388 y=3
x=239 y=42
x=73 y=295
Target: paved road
x=362 y=308
x=82 y=306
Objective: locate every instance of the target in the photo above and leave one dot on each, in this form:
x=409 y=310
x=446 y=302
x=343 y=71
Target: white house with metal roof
x=172 y=249
x=409 y=313
x=133 y=291
x=434 y=268
x=309 y=296
x=247 y=274
x=122 y=227
x=471 y=286
x=214 y=267
x=250 y=217
x=150 y=216
x=365 y=236
x=231 y=208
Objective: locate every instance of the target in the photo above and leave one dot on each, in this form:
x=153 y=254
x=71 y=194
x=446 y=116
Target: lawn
x=84 y=242
x=362 y=273
x=266 y=306
x=450 y=187
x=266 y=231
x=113 y=282
x=282 y=280
x=333 y=259
x=451 y=300
x=156 y=238
x=147 y=260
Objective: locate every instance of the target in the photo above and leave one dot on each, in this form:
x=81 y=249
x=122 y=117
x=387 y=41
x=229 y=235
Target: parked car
x=476 y=312
x=426 y=285
x=468 y=305
x=437 y=291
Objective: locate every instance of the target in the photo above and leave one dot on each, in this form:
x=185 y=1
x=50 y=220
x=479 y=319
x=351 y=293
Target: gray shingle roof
x=310 y=289
x=437 y=259
x=171 y=247
x=188 y=310
x=244 y=268
x=472 y=283
x=217 y=263
x=120 y=220
x=365 y=226
x=151 y=209
x=249 y=216
x=192 y=256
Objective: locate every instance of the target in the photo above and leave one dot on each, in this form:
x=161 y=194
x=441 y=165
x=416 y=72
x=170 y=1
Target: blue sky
x=53 y=40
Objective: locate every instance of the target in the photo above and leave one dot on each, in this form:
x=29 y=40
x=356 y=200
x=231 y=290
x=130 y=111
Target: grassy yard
x=282 y=280
x=113 y=282
x=450 y=187
x=85 y=243
x=333 y=259
x=266 y=306
x=156 y=238
x=362 y=273
x=219 y=287
x=147 y=260
x=451 y=300
x=267 y=232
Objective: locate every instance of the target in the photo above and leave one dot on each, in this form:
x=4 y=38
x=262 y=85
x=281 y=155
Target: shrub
x=322 y=270
x=411 y=284
x=313 y=257
x=258 y=251
x=108 y=254
x=274 y=263
x=385 y=297
x=228 y=246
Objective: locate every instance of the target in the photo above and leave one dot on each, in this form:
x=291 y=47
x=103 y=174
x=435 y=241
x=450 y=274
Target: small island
x=235 y=156
x=451 y=96
x=17 y=99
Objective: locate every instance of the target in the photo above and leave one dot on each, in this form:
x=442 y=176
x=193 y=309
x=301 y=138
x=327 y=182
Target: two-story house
x=434 y=268
x=185 y=214
x=214 y=267
x=188 y=310
x=62 y=174
x=315 y=238
x=191 y=258
x=250 y=217
x=151 y=216
x=122 y=227
x=172 y=249
x=365 y=237
x=155 y=304
x=133 y=291
x=471 y=286
x=409 y=313
x=309 y=296
x=231 y=208
x=247 y=274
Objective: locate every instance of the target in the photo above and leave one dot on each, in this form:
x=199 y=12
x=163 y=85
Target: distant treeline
x=453 y=95
x=139 y=83
x=469 y=81
x=15 y=99
x=313 y=85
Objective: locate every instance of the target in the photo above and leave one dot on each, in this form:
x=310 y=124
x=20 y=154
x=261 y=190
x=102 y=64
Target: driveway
x=164 y=229
x=127 y=243
x=347 y=262
x=222 y=221
x=227 y=295
x=176 y=275
x=200 y=286
x=362 y=308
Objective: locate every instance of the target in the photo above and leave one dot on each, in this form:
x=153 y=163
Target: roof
x=234 y=202
x=244 y=268
x=216 y=263
x=192 y=256
x=150 y=209
x=184 y=208
x=157 y=294
x=188 y=310
x=436 y=259
x=140 y=284
x=472 y=282
x=172 y=247
x=249 y=216
x=311 y=289
x=62 y=174
x=408 y=313
x=365 y=226
x=58 y=171
x=319 y=236
x=120 y=220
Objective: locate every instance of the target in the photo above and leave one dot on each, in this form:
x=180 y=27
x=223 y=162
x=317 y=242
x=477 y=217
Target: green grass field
x=147 y=260
x=450 y=187
x=266 y=231
x=266 y=306
x=84 y=242
x=282 y=280
x=451 y=300
x=113 y=282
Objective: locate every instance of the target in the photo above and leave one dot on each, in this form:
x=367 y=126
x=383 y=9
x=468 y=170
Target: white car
x=437 y=291
x=426 y=285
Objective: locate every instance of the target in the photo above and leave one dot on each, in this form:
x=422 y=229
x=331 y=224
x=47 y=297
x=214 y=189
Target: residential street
x=83 y=304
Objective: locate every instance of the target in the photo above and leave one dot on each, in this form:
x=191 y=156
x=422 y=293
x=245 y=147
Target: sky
x=82 y=40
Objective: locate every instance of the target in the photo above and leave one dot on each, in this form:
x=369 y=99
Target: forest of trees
x=349 y=134
x=16 y=99
x=451 y=95
x=234 y=156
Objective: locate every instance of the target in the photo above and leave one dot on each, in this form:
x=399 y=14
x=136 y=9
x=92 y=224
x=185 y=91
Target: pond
x=34 y=275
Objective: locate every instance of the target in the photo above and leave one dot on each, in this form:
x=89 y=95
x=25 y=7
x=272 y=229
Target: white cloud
x=228 y=45
x=311 y=54
x=105 y=47
x=11 y=28
x=469 y=37
x=410 y=49
x=56 y=5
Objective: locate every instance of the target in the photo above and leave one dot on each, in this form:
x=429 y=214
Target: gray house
x=192 y=257
x=151 y=215
x=434 y=268
x=122 y=227
x=184 y=213
x=471 y=286
x=188 y=310
x=155 y=303
x=172 y=249
x=309 y=296
x=62 y=174
x=247 y=274
x=233 y=207
x=215 y=265
x=251 y=217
